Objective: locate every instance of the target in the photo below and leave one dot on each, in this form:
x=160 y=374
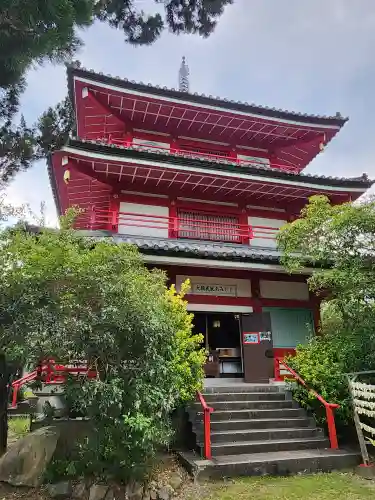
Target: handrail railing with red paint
x=329 y=407
x=207 y=410
x=181 y=227
x=49 y=373
x=201 y=154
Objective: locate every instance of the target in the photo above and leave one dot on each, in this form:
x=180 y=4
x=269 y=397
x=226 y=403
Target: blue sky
x=313 y=56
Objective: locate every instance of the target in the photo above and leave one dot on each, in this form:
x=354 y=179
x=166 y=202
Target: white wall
x=218 y=308
x=283 y=290
x=242 y=287
x=151 y=144
x=261 y=240
x=137 y=228
x=258 y=161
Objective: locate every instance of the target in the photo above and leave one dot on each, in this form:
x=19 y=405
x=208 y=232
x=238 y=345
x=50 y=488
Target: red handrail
x=207 y=410
x=54 y=374
x=185 y=152
x=328 y=406
x=221 y=231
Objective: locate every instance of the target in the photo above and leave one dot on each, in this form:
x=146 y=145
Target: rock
x=110 y=495
x=79 y=491
x=98 y=491
x=25 y=463
x=146 y=495
x=134 y=491
x=153 y=494
x=164 y=493
x=175 y=481
x=63 y=489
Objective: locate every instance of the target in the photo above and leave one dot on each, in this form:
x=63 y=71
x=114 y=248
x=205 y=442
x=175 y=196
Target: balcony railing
x=201 y=154
x=140 y=224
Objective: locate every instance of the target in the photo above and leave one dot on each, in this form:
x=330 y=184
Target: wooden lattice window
x=205 y=226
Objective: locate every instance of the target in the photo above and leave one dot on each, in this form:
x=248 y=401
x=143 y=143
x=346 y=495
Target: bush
x=71 y=298
x=324 y=362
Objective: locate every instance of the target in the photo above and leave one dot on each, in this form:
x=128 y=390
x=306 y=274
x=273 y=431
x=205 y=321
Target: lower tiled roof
x=192 y=248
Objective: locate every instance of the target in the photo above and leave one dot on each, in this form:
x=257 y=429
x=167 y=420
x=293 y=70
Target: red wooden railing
x=202 y=154
x=49 y=373
x=207 y=410
x=180 y=227
x=329 y=407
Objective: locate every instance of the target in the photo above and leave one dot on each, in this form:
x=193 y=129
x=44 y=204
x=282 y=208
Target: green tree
x=71 y=298
x=339 y=241
x=32 y=31
x=35 y=31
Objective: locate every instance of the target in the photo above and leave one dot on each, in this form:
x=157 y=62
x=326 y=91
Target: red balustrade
x=201 y=154
x=329 y=407
x=207 y=410
x=49 y=373
x=180 y=227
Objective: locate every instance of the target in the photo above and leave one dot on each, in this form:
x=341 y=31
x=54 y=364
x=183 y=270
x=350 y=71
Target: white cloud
x=314 y=56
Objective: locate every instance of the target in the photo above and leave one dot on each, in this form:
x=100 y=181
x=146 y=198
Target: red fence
x=329 y=407
x=212 y=228
x=201 y=154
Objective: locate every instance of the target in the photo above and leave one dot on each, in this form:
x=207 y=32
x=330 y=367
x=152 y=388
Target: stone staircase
x=257 y=430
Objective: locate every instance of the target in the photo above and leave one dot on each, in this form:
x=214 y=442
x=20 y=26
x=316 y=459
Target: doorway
x=222 y=339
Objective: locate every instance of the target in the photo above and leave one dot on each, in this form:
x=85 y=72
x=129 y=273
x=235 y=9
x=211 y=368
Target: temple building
x=201 y=185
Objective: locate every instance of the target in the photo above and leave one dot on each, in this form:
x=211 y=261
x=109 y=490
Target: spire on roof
x=183 y=76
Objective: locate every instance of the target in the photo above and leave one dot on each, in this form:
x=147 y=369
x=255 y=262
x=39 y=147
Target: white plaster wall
x=151 y=144
x=219 y=308
x=284 y=290
x=261 y=240
x=243 y=287
x=161 y=231
x=256 y=159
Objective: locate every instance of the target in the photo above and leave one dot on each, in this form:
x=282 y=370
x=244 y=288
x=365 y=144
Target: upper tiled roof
x=222 y=164
x=231 y=105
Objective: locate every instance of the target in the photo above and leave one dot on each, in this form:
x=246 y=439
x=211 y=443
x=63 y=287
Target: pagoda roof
x=113 y=168
x=172 y=93
x=106 y=105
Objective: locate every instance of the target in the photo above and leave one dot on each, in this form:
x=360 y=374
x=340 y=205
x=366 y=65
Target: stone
x=153 y=494
x=146 y=495
x=164 y=493
x=98 y=492
x=134 y=491
x=79 y=491
x=25 y=463
x=110 y=495
x=63 y=489
x=175 y=481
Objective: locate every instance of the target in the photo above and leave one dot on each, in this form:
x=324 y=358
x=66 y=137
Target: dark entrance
x=222 y=339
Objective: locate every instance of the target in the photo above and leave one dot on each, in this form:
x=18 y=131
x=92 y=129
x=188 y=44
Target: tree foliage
x=32 y=31
x=74 y=299
x=340 y=242
x=35 y=31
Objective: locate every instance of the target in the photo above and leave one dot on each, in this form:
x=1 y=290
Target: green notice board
x=290 y=327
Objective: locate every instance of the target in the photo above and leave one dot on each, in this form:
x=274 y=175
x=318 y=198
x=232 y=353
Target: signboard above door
x=214 y=289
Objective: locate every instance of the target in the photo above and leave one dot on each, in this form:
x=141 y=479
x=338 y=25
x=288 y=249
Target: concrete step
x=241 y=387
x=251 y=414
x=262 y=446
x=249 y=405
x=245 y=396
x=261 y=423
x=239 y=436
x=278 y=463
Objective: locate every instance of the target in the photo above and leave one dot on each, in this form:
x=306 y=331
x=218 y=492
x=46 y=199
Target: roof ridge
x=76 y=65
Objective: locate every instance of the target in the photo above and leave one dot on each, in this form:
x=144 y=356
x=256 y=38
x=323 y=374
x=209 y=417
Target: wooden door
x=257 y=347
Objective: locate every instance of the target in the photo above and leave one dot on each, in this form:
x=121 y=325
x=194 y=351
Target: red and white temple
x=201 y=185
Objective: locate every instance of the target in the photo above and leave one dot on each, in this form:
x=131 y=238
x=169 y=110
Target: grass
x=315 y=487
x=19 y=426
